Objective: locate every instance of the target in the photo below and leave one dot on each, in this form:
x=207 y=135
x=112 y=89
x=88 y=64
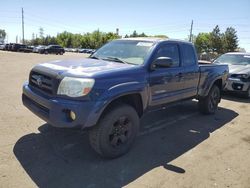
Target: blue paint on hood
x=84 y=67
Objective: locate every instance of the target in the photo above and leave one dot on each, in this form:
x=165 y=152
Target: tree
x=134 y=34
x=161 y=36
x=2 y=35
x=41 y=32
x=230 y=40
x=216 y=40
x=65 y=39
x=202 y=42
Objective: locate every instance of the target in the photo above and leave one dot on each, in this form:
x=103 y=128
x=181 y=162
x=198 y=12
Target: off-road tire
x=209 y=104
x=121 y=116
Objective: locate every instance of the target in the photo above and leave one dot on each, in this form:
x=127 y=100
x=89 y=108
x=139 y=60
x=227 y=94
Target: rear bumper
x=55 y=111
x=236 y=85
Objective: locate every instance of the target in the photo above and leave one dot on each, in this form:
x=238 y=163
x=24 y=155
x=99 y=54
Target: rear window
x=188 y=55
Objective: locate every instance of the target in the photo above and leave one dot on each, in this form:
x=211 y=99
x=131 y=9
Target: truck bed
x=208 y=74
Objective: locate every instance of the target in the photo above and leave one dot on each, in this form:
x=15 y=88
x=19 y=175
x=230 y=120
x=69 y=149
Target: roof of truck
x=154 y=39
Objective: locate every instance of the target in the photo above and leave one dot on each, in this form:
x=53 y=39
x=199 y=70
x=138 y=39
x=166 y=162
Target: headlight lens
x=245 y=76
x=75 y=87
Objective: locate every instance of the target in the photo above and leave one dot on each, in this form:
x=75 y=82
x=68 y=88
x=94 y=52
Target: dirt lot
x=176 y=147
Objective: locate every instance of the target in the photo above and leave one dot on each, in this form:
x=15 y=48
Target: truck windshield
x=124 y=51
x=233 y=59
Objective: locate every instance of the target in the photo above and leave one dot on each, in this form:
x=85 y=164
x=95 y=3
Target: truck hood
x=83 y=67
x=239 y=69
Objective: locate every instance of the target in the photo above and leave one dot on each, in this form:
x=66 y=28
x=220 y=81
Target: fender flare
x=112 y=94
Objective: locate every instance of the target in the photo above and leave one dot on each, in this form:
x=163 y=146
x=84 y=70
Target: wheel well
x=218 y=83
x=133 y=100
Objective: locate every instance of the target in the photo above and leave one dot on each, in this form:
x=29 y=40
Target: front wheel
x=209 y=104
x=116 y=131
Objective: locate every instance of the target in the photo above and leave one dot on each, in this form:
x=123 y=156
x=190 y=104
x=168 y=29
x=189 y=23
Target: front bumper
x=55 y=111
x=236 y=85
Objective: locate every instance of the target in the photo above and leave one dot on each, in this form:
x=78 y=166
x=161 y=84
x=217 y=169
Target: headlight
x=244 y=76
x=75 y=87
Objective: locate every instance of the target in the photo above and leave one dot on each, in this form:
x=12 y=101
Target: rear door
x=166 y=83
x=190 y=70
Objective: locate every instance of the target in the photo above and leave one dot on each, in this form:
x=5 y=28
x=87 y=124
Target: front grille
x=41 y=82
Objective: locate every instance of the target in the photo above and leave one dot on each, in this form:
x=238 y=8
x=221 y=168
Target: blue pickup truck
x=108 y=92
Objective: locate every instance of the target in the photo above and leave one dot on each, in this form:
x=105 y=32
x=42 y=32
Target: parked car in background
x=52 y=49
x=10 y=46
x=37 y=48
x=6 y=46
x=75 y=50
x=16 y=47
x=2 y=46
x=26 y=49
x=87 y=51
x=239 y=72
x=67 y=49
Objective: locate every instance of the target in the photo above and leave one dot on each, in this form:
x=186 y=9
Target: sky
x=171 y=18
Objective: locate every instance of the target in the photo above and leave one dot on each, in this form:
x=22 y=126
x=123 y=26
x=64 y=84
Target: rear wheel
x=46 y=52
x=61 y=53
x=209 y=104
x=114 y=135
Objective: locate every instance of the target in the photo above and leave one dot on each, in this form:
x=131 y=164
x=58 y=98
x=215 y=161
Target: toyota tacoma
x=108 y=92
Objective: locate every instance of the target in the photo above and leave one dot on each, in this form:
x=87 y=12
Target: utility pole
x=191 y=32
x=117 y=31
x=23 y=25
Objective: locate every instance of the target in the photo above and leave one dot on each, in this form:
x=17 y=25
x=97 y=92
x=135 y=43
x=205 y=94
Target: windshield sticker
x=247 y=56
x=146 y=44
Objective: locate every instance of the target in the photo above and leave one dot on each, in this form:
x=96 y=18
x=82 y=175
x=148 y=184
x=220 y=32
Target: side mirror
x=162 y=62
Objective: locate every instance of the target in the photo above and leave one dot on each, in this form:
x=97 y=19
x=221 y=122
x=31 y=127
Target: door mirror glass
x=162 y=62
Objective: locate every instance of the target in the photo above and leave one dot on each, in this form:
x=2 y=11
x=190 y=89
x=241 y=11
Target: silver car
x=239 y=72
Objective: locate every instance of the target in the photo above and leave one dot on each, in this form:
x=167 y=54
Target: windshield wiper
x=116 y=59
x=94 y=57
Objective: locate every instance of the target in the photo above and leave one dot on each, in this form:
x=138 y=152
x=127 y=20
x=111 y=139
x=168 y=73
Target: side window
x=188 y=55
x=169 y=50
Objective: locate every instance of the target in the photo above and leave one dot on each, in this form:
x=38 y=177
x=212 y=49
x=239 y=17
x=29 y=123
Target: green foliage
x=2 y=35
x=66 y=39
x=161 y=36
x=203 y=43
x=217 y=42
x=41 y=32
x=135 y=34
x=230 y=40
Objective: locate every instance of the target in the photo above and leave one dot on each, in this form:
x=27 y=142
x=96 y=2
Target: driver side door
x=166 y=83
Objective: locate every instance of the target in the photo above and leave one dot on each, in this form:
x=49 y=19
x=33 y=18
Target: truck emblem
x=39 y=81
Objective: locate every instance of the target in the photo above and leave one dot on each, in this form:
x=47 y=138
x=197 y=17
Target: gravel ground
x=176 y=147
